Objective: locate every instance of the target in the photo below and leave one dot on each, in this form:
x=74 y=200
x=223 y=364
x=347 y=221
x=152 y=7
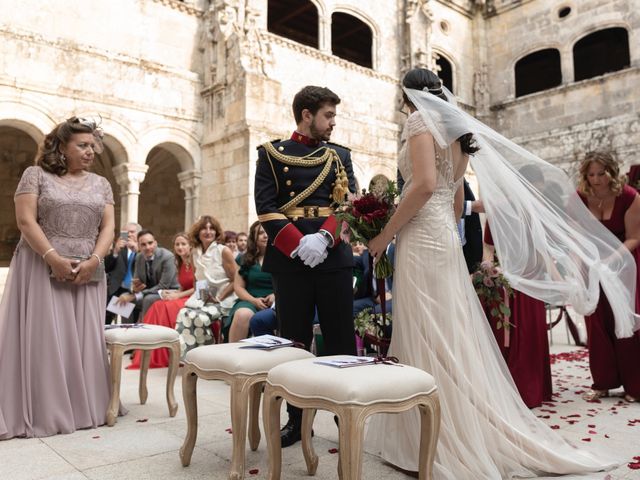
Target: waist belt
x=308 y=212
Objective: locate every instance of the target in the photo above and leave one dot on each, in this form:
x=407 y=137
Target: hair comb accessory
x=96 y=130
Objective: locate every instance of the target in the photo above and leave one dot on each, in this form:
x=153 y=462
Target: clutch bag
x=75 y=259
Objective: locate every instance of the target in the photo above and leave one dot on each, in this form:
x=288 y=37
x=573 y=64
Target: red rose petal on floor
x=574 y=415
x=606 y=436
x=142 y=420
x=586 y=439
x=591 y=426
x=592 y=432
x=333 y=450
x=636 y=458
x=634 y=466
x=254 y=471
x=97 y=436
x=554 y=427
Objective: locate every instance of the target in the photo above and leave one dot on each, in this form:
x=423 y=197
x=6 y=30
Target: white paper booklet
x=266 y=342
x=124 y=310
x=346 y=361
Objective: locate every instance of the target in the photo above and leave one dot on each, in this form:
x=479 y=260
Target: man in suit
x=470 y=229
x=155 y=270
x=298 y=183
x=119 y=265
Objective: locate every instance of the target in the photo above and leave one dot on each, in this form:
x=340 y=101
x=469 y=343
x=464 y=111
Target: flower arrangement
x=494 y=291
x=373 y=327
x=363 y=218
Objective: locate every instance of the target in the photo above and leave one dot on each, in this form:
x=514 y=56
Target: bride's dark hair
x=426 y=80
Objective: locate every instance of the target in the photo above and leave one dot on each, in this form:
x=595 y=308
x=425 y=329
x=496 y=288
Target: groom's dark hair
x=312 y=98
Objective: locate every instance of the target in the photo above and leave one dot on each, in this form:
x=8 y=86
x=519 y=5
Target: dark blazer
x=473 y=234
x=164 y=271
x=116 y=269
x=276 y=183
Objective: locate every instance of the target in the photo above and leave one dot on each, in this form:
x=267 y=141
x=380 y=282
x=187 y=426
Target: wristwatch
x=328 y=236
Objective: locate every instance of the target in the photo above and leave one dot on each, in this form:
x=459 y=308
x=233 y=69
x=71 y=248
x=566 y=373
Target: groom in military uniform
x=298 y=183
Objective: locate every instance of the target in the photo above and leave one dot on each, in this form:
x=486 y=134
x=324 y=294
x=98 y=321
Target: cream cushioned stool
x=353 y=394
x=245 y=370
x=145 y=338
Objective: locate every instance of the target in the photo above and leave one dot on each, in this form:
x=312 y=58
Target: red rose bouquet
x=494 y=291
x=363 y=218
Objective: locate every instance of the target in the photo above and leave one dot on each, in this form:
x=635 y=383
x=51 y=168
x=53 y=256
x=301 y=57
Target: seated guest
x=231 y=241
x=155 y=270
x=241 y=242
x=264 y=322
x=252 y=286
x=214 y=263
x=166 y=311
x=119 y=266
x=366 y=295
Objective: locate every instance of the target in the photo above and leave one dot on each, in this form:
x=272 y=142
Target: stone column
x=129 y=177
x=324 y=34
x=190 y=183
x=566 y=64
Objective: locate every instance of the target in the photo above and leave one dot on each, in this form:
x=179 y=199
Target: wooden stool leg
x=189 y=384
x=174 y=361
x=116 y=352
x=350 y=434
x=254 y=411
x=429 y=431
x=239 y=407
x=144 y=368
x=310 y=457
x=271 y=422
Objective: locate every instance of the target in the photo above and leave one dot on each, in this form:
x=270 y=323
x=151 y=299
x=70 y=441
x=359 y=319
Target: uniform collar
x=300 y=138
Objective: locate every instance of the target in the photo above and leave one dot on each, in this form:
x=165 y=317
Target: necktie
x=150 y=277
x=126 y=281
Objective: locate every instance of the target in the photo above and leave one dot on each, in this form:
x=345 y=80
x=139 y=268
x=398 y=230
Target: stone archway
x=18 y=151
x=162 y=201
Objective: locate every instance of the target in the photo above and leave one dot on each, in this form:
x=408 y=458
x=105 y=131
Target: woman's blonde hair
x=611 y=169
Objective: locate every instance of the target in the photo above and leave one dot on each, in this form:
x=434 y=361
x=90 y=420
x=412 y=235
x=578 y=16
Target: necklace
x=601 y=199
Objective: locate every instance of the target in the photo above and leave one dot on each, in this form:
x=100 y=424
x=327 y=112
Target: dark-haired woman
x=54 y=373
x=614 y=362
x=486 y=431
x=165 y=312
x=252 y=286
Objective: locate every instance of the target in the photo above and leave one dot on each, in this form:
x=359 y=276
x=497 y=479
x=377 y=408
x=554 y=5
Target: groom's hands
x=312 y=249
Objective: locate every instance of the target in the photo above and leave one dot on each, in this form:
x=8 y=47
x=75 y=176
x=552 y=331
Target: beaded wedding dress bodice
x=69 y=209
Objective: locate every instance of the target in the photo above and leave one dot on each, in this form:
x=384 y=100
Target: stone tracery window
x=445 y=71
x=351 y=39
x=601 y=52
x=294 y=19
x=538 y=71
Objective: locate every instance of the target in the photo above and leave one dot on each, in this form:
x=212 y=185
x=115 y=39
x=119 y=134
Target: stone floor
x=145 y=443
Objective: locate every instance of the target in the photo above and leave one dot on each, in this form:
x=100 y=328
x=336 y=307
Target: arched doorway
x=162 y=206
x=18 y=151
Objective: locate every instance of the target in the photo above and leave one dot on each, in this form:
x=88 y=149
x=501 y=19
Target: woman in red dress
x=614 y=362
x=165 y=311
x=527 y=352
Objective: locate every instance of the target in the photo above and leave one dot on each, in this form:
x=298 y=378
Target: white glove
x=312 y=249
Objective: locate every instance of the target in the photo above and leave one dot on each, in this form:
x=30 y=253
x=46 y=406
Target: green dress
x=257 y=283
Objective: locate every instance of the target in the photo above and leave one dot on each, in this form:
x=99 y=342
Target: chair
x=145 y=338
x=353 y=394
x=245 y=370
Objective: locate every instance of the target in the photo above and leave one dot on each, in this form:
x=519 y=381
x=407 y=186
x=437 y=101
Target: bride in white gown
x=487 y=432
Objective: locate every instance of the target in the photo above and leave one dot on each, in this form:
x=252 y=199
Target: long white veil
x=549 y=245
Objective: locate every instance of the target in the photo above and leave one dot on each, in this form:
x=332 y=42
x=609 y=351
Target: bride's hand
x=378 y=245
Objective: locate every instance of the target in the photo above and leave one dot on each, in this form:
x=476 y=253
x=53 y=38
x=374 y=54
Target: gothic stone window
x=538 y=71
x=601 y=52
x=445 y=71
x=351 y=39
x=294 y=19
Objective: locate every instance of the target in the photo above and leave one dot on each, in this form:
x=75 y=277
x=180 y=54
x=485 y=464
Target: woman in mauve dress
x=54 y=372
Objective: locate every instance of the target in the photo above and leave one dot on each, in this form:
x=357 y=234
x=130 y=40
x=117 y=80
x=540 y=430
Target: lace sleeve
x=30 y=181
x=107 y=192
x=416 y=125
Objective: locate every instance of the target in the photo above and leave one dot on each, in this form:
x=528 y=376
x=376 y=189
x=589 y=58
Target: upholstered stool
x=145 y=338
x=245 y=370
x=353 y=394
